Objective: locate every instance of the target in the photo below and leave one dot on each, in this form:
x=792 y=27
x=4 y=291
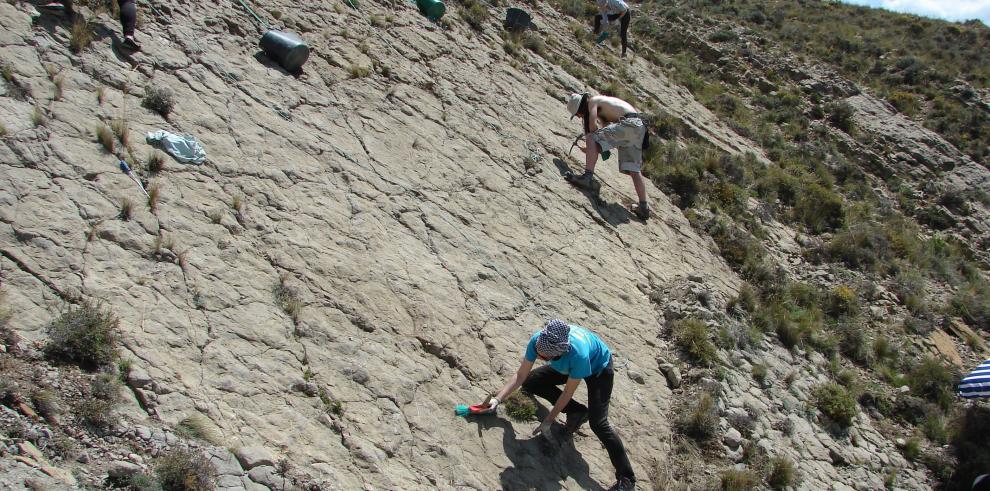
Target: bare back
x=608 y=109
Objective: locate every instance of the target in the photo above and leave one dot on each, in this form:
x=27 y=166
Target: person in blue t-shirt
x=572 y=354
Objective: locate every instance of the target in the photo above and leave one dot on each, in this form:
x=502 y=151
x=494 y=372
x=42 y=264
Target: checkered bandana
x=553 y=340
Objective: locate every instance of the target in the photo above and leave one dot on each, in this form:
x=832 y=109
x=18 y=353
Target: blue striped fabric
x=977 y=383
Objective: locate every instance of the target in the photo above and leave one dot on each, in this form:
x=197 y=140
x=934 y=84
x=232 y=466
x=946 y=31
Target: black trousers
x=623 y=27
x=543 y=382
x=128 y=14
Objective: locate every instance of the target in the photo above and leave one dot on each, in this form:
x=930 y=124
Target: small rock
x=3 y=348
x=83 y=458
x=900 y=442
x=121 y=469
x=903 y=389
x=28 y=450
x=636 y=377
x=138 y=378
x=251 y=457
x=672 y=374
x=732 y=438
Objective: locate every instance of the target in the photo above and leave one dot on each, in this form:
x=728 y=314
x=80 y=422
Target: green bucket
x=432 y=9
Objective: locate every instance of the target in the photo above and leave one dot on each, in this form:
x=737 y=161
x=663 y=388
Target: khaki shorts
x=626 y=135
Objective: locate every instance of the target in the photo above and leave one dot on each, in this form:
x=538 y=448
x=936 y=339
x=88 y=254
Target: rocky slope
x=370 y=242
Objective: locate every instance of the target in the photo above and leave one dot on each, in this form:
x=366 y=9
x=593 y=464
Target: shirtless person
x=610 y=123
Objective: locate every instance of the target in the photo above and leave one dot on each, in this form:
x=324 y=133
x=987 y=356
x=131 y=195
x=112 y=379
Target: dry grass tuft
x=104 y=136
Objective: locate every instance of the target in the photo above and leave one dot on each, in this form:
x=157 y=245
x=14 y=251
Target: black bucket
x=286 y=49
x=516 y=20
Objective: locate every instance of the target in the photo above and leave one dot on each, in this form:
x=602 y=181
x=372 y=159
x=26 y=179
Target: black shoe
x=642 y=212
x=586 y=181
x=130 y=44
x=574 y=421
x=623 y=484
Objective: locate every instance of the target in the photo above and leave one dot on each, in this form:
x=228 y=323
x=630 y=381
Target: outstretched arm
x=565 y=397
x=514 y=381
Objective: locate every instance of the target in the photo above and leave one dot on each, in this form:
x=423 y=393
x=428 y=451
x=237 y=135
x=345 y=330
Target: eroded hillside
x=373 y=240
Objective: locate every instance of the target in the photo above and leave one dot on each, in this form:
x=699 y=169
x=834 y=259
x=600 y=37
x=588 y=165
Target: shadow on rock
x=270 y=63
x=613 y=213
x=536 y=462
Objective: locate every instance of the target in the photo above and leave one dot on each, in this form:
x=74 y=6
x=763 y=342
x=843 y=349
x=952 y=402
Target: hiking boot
x=130 y=44
x=623 y=484
x=642 y=211
x=574 y=421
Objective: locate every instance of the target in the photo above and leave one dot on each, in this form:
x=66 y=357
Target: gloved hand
x=492 y=405
x=544 y=429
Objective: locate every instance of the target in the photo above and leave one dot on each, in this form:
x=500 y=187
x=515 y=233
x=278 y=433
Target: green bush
x=912 y=449
x=840 y=115
x=520 y=406
x=852 y=341
x=691 y=335
x=842 y=301
x=819 y=209
x=932 y=380
x=85 y=335
x=185 y=470
x=834 y=401
x=972 y=303
x=474 y=13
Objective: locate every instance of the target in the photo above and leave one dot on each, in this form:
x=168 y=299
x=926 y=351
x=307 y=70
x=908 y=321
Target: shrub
x=852 y=341
x=96 y=414
x=38 y=117
x=701 y=420
x=904 y=102
x=972 y=303
x=781 y=473
x=474 y=14
x=691 y=335
x=520 y=406
x=932 y=380
x=185 y=470
x=746 y=300
x=834 y=401
x=158 y=99
x=85 y=335
x=840 y=115
x=154 y=192
x=739 y=480
x=759 y=372
x=912 y=449
x=934 y=428
x=842 y=301
x=819 y=209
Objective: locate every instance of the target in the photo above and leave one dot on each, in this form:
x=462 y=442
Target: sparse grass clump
x=80 y=36
x=119 y=127
x=691 y=336
x=520 y=406
x=759 y=372
x=85 y=335
x=288 y=299
x=739 y=480
x=126 y=209
x=154 y=192
x=104 y=136
x=185 y=470
x=474 y=13
x=38 y=117
x=834 y=401
x=701 y=420
x=198 y=427
x=842 y=301
x=156 y=162
x=358 y=71
x=781 y=473
x=46 y=404
x=158 y=99
x=59 y=82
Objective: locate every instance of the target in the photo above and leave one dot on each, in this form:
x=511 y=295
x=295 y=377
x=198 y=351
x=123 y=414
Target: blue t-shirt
x=588 y=355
